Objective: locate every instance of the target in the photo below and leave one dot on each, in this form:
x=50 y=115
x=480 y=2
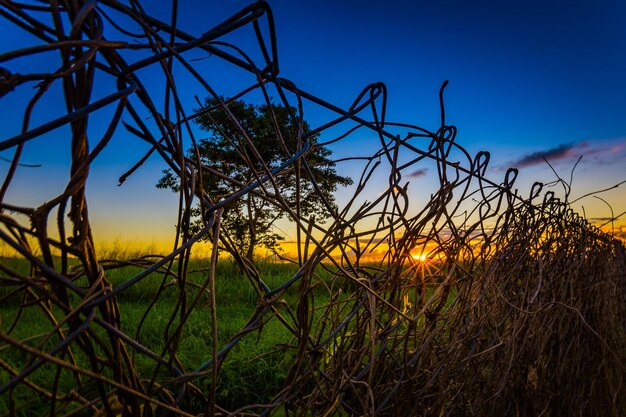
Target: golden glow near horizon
x=123 y=245
x=419 y=257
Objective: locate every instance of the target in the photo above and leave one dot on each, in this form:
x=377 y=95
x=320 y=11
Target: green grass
x=252 y=372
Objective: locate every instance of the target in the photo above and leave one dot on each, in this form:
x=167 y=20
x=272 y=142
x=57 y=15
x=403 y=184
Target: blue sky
x=528 y=80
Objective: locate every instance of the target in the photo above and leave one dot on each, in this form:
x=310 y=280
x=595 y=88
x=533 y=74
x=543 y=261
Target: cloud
x=603 y=152
x=600 y=219
x=564 y=151
x=418 y=173
x=608 y=154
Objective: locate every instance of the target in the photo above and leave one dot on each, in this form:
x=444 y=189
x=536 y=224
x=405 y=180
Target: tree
x=249 y=219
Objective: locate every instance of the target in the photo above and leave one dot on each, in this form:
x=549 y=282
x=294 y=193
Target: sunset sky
x=528 y=80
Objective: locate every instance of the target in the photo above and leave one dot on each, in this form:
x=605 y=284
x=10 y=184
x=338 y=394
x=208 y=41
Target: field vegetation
x=254 y=370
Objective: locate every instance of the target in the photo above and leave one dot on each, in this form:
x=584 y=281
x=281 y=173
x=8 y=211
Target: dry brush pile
x=516 y=308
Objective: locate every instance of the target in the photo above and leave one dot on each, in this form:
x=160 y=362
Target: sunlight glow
x=419 y=257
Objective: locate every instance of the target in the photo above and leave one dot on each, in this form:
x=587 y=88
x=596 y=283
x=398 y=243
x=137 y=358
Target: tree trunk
x=251 y=229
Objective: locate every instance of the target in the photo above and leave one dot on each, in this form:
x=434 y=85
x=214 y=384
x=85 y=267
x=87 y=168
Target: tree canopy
x=243 y=143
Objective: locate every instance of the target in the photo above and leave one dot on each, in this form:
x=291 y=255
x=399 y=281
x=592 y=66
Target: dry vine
x=517 y=310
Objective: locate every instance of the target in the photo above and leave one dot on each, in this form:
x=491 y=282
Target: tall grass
x=254 y=370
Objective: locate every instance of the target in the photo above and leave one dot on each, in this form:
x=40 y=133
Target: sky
x=527 y=81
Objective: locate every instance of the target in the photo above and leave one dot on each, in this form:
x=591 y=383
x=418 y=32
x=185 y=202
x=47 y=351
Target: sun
x=419 y=257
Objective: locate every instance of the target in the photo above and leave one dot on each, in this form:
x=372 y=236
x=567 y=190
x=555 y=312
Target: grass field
x=150 y=312
x=520 y=323
x=253 y=371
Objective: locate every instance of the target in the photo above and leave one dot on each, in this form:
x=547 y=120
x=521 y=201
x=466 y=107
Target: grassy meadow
x=441 y=334
x=253 y=371
x=150 y=313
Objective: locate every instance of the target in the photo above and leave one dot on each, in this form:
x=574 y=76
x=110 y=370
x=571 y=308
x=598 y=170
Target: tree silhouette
x=245 y=142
